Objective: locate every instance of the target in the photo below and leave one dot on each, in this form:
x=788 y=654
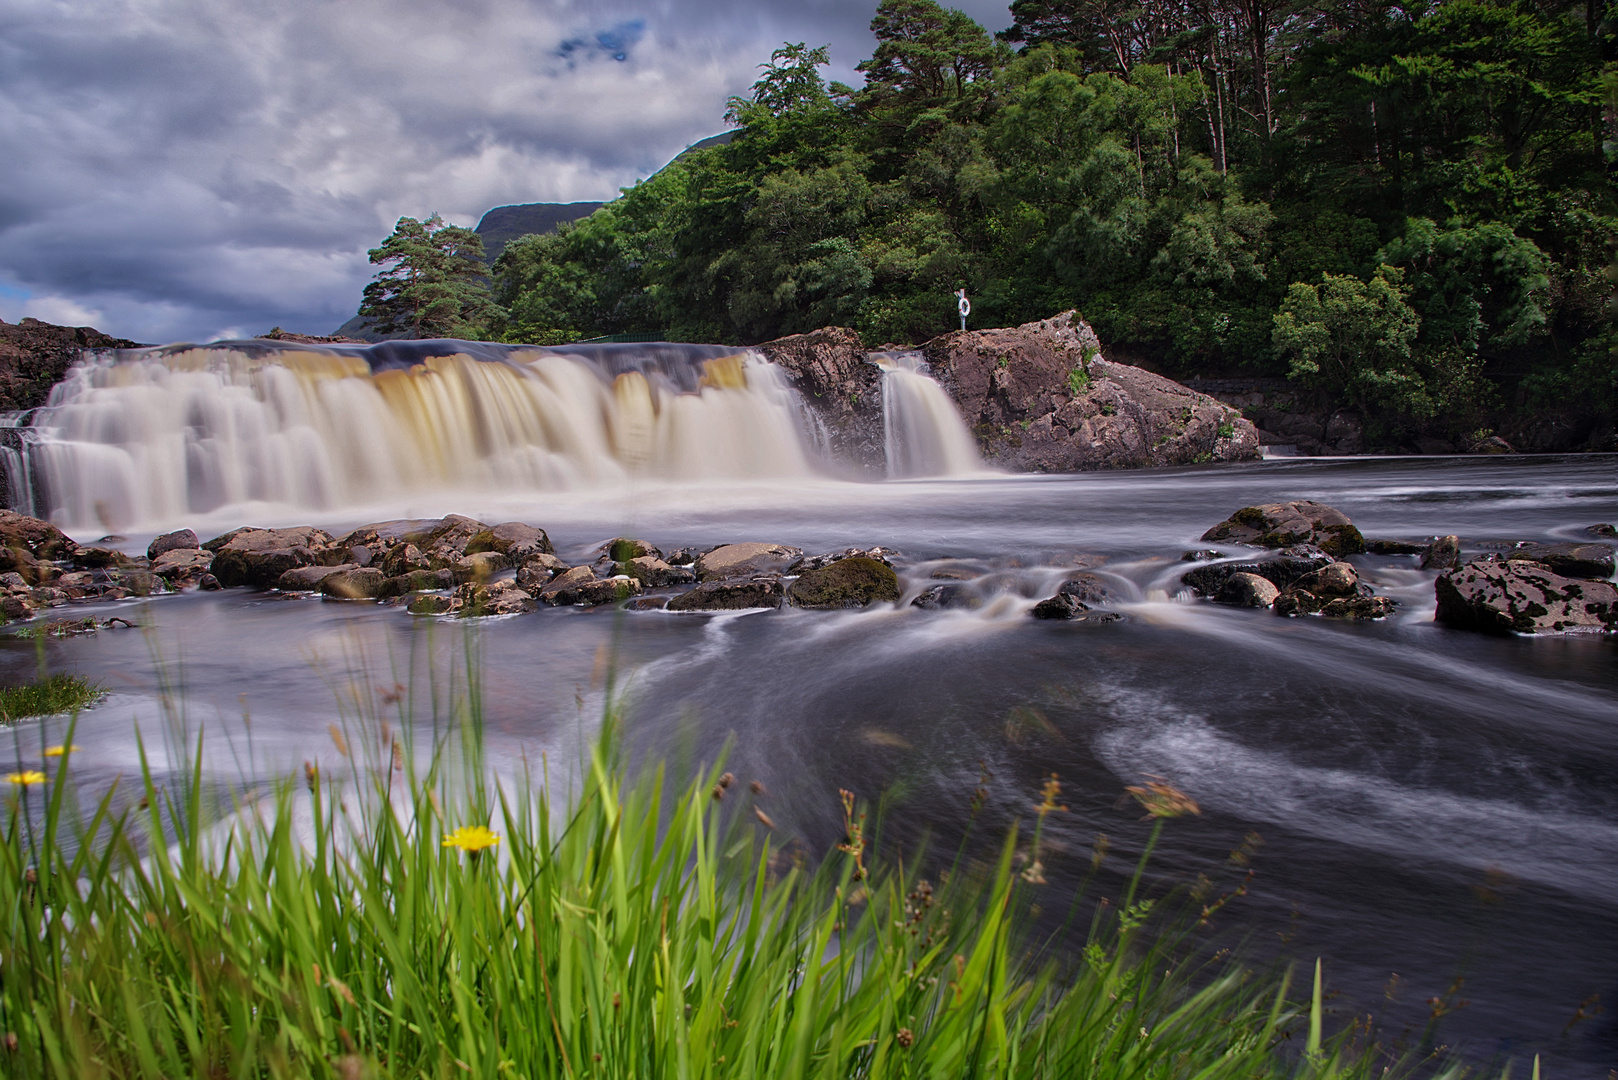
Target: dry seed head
x=727 y=779
x=1161 y=799
x=757 y=787
x=904 y=1037
x=763 y=818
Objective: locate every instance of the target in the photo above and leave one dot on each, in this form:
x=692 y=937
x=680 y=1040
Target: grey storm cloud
x=195 y=169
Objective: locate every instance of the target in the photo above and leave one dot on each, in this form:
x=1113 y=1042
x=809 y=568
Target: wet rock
x=258 y=557
x=209 y=583
x=743 y=560
x=1297 y=601
x=538 y=571
x=35 y=355
x=1442 y=554
x=815 y=562
x=1602 y=529
x=1279 y=525
x=730 y=595
x=608 y=590
x=682 y=557
x=1288 y=566
x=1502 y=596
x=1201 y=555
x=27 y=545
x=19 y=560
x=1041 y=398
x=830 y=370
x=12 y=581
x=1337 y=579
x=563 y=588
x=431 y=605
x=1569 y=560
x=513 y=539
x=1494 y=444
x=417 y=581
x=1394 y=547
x=852 y=582
x=647 y=603
x=480 y=566
x=652 y=572
x=96 y=558
x=1247 y=590
x=182 y=565
x=358 y=583
x=1090 y=588
x=622 y=549
x=948 y=597
x=581 y=586
x=180 y=538
x=477 y=600
x=405 y=558
x=1060 y=606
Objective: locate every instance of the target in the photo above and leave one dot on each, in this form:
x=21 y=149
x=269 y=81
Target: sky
x=192 y=170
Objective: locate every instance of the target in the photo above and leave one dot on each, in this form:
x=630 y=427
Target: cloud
x=184 y=169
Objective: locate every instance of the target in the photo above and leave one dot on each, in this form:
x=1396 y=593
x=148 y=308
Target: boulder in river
x=853 y=582
x=181 y=538
x=1333 y=580
x=1060 y=606
x=1297 y=601
x=1443 y=553
x=1247 y=590
x=730 y=595
x=1279 y=525
x=476 y=599
x=358 y=583
x=1505 y=596
x=513 y=539
x=652 y=572
x=1569 y=560
x=182 y=565
x=1041 y=398
x=581 y=586
x=839 y=383
x=417 y=581
x=950 y=596
x=744 y=560
x=1288 y=566
x=258 y=557
x=40 y=539
x=1393 y=547
x=308 y=578
x=623 y=548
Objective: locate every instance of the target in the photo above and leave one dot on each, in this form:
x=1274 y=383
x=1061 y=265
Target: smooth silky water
x=1433 y=804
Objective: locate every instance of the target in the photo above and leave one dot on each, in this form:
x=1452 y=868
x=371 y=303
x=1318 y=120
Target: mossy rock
x=845 y=583
x=429 y=604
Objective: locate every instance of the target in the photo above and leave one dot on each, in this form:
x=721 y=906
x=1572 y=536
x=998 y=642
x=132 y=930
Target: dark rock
x=608 y=590
x=950 y=597
x=1042 y=399
x=852 y=582
x=480 y=565
x=1337 y=579
x=1443 y=553
x=831 y=371
x=258 y=557
x=209 y=583
x=1287 y=567
x=1494 y=444
x=563 y=588
x=1359 y=607
x=1201 y=555
x=182 y=538
x=730 y=595
x=647 y=603
x=477 y=600
x=1500 y=596
x=95 y=558
x=652 y=572
x=581 y=586
x=1089 y=588
x=1394 y=547
x=1603 y=529
x=1435 y=446
x=34 y=356
x=1247 y=590
x=405 y=558
x=682 y=556
x=360 y=583
x=182 y=565
x=814 y=562
x=417 y=581
x=308 y=578
x=539 y=571
x=512 y=539
x=744 y=560
x=429 y=604
x=1060 y=606
x=622 y=549
x=1568 y=560
x=40 y=539
x=1279 y=525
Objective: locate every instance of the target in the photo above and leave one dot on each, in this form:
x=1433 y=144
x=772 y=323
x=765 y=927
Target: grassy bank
x=60 y=693
x=362 y=919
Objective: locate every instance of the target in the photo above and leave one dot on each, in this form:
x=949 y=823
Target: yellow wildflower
x=471 y=838
x=25 y=778
x=58 y=751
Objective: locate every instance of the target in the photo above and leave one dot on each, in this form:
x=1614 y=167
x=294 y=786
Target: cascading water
x=151 y=437
x=923 y=434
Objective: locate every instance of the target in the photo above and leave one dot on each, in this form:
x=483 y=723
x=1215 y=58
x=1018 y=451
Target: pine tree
x=432 y=283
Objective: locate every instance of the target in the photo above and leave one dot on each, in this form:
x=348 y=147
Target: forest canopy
x=1406 y=205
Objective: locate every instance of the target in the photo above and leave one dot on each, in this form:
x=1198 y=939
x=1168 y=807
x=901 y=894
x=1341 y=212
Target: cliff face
x=35 y=355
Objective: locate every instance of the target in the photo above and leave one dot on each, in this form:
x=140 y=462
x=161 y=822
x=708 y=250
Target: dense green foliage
x=366 y=922
x=431 y=284
x=1181 y=173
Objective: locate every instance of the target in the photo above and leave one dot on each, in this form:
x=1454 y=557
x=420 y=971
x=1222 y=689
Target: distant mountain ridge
x=503 y=224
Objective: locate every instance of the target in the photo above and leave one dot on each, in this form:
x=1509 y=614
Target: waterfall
x=923 y=433
x=147 y=438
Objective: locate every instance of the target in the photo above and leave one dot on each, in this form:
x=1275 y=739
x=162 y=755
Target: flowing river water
x=1438 y=809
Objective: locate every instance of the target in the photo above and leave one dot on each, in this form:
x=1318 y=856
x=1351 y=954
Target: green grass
x=632 y=928
x=50 y=695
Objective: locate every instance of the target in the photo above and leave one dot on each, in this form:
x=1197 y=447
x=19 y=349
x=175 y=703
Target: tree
x=432 y=282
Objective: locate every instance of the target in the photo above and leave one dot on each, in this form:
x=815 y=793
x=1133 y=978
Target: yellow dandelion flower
x=59 y=751
x=25 y=778
x=471 y=838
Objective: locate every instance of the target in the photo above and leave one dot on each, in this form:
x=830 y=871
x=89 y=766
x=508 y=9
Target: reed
x=375 y=920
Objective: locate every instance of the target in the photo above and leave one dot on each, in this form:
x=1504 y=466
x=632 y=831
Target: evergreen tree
x=432 y=283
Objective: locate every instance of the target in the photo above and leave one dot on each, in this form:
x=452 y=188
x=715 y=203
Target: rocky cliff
x=35 y=355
